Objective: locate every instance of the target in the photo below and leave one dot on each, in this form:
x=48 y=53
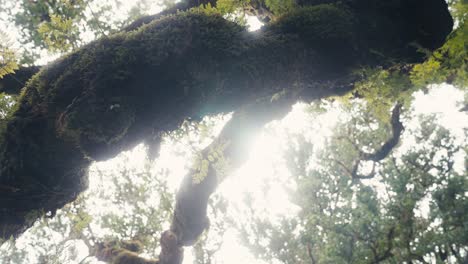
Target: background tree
x=397 y=215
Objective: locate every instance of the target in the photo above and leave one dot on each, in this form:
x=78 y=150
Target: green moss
x=319 y=25
x=281 y=6
x=33 y=215
x=89 y=120
x=212 y=159
x=448 y=63
x=381 y=89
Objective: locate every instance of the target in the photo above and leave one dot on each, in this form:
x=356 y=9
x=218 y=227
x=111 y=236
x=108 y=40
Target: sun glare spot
x=232 y=251
x=253 y=23
x=265 y=177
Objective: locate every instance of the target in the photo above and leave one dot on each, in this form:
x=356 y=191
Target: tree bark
x=120 y=90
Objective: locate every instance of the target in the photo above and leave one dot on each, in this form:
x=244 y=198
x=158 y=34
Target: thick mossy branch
x=120 y=90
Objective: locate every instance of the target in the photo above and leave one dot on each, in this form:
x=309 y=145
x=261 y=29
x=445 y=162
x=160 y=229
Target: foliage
x=381 y=89
x=61 y=26
x=57 y=33
x=280 y=6
x=8 y=62
x=213 y=159
x=10 y=253
x=50 y=24
x=231 y=6
x=449 y=63
x=459 y=9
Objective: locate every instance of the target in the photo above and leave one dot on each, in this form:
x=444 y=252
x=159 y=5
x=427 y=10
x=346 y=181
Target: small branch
x=84 y=259
x=387 y=147
x=381 y=153
x=342 y=165
x=309 y=252
x=388 y=251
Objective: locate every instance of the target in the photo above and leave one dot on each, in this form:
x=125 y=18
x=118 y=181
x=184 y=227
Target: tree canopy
x=196 y=59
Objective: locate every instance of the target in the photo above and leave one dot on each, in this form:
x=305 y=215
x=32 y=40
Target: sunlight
x=232 y=251
x=265 y=175
x=443 y=100
x=253 y=23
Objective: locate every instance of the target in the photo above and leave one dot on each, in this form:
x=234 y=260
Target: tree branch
x=387 y=147
x=379 y=154
x=388 y=251
x=217 y=161
x=309 y=253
